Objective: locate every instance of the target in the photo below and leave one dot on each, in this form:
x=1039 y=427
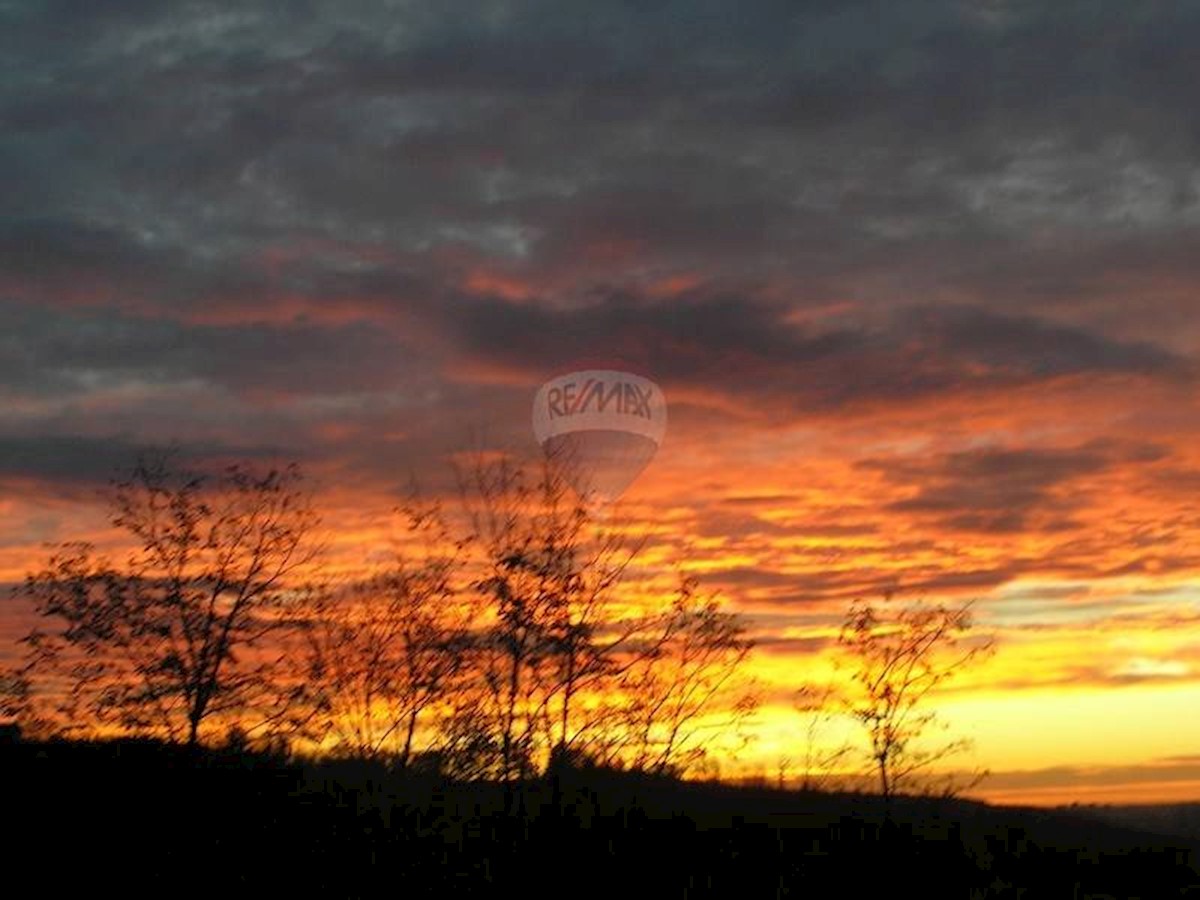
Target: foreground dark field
x=141 y=818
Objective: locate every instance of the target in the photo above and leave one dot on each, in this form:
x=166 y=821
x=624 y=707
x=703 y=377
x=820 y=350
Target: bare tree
x=182 y=633
x=523 y=534
x=817 y=703
x=900 y=655
x=593 y=643
x=383 y=653
x=685 y=686
x=18 y=705
x=559 y=670
x=467 y=748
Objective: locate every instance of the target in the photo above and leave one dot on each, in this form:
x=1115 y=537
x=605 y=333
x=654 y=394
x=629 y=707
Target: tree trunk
x=196 y=716
x=193 y=733
x=885 y=784
x=408 y=739
x=568 y=694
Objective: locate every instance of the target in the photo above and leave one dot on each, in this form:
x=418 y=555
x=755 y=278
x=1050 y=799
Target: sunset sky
x=918 y=281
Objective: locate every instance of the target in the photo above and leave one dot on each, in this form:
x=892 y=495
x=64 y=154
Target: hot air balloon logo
x=604 y=425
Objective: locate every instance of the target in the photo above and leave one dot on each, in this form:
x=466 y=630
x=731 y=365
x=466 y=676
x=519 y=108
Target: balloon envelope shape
x=602 y=425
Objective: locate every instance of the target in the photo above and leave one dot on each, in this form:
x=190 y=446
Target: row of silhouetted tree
x=495 y=639
x=499 y=637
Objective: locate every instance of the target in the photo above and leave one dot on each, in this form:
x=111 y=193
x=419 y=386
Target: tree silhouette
x=184 y=631
x=526 y=535
x=900 y=655
x=18 y=708
x=682 y=689
x=561 y=669
x=817 y=702
x=382 y=653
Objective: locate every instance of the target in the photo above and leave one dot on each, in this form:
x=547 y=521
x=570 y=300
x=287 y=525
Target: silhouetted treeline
x=492 y=639
x=136 y=816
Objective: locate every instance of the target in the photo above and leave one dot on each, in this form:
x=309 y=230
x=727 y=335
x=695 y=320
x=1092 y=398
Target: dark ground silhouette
x=140 y=818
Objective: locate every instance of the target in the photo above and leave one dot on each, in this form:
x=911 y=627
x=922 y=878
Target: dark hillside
x=138 y=817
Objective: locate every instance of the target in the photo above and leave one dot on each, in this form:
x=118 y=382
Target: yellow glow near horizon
x=1093 y=673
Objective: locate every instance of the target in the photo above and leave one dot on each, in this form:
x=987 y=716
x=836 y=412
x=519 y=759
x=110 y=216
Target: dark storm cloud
x=49 y=351
x=825 y=583
x=1029 y=347
x=1001 y=490
x=746 y=349
x=162 y=161
x=41 y=248
x=861 y=122
x=68 y=462
x=64 y=262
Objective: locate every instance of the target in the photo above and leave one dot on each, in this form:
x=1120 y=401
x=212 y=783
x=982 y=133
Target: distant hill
x=1173 y=819
x=1100 y=828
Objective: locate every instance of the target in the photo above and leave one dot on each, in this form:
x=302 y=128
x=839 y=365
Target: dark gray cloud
x=828 y=132
x=50 y=351
x=1003 y=490
x=75 y=463
x=825 y=586
x=264 y=205
x=746 y=349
